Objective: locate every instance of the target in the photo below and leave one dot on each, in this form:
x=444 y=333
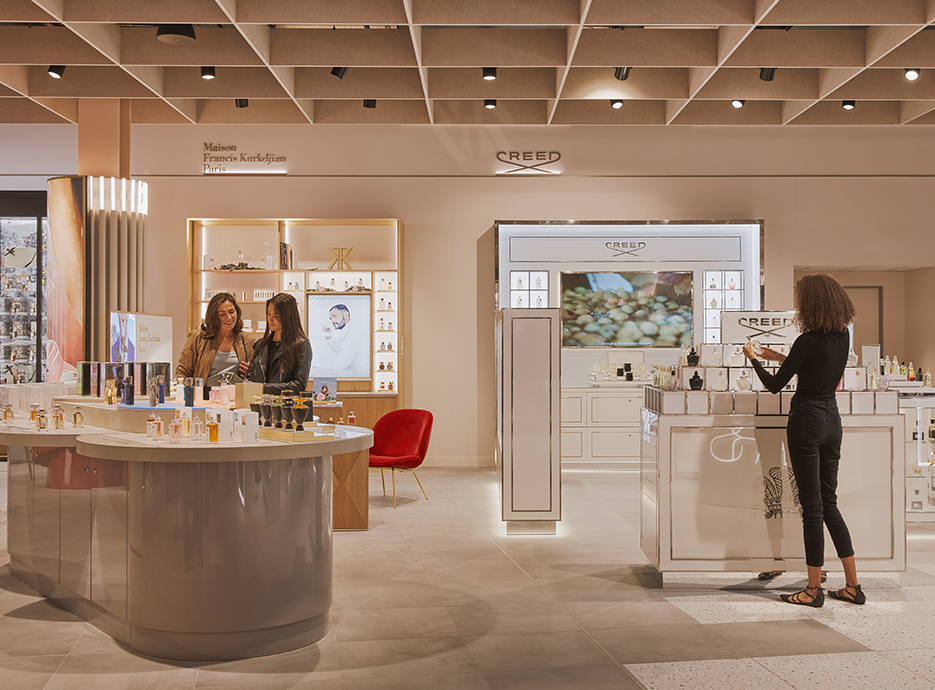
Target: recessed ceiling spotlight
x=767 y=73
x=56 y=71
x=489 y=73
x=339 y=72
x=616 y=104
x=241 y=103
x=738 y=103
x=848 y=105
x=176 y=34
x=370 y=102
x=912 y=73
x=490 y=103
x=207 y=73
x=622 y=73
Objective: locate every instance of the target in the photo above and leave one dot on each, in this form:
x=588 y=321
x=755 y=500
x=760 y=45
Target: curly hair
x=822 y=304
x=212 y=325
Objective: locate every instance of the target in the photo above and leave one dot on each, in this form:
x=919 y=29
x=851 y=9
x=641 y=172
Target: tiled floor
x=436 y=595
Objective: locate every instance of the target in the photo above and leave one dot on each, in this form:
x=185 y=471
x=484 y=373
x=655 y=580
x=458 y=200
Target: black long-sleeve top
x=819 y=360
x=266 y=368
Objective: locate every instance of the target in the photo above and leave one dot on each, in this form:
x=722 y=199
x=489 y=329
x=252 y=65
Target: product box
x=225 y=426
x=721 y=402
x=855 y=379
x=739 y=377
x=247 y=424
x=844 y=402
x=244 y=392
x=767 y=403
x=696 y=402
x=716 y=379
x=745 y=402
x=673 y=402
x=886 y=402
x=734 y=356
x=712 y=355
x=83 y=378
x=862 y=402
x=95 y=387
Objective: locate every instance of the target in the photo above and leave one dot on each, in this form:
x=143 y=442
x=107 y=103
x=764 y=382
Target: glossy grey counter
x=185 y=552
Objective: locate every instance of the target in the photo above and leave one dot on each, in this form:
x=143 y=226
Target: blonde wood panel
x=368 y=408
x=350 y=492
x=353 y=386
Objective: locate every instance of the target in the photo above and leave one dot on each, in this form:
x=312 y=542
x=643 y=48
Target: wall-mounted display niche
x=344 y=274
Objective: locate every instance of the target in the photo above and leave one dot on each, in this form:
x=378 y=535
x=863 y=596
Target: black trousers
x=813 y=436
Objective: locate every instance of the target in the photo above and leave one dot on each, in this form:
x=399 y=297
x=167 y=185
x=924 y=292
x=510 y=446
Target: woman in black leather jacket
x=283 y=356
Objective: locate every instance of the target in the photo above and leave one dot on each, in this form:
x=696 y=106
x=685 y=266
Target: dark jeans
x=814 y=440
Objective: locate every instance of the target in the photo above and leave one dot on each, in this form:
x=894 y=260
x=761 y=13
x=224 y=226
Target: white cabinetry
x=601 y=425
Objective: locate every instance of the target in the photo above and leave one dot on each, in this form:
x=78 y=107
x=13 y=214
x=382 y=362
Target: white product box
x=673 y=402
x=767 y=403
x=734 y=356
x=716 y=379
x=785 y=401
x=844 y=402
x=745 y=402
x=735 y=374
x=712 y=355
x=862 y=402
x=887 y=402
x=247 y=424
x=855 y=379
x=225 y=426
x=687 y=373
x=721 y=402
x=696 y=402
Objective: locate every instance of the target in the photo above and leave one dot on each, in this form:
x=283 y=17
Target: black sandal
x=817 y=599
x=844 y=594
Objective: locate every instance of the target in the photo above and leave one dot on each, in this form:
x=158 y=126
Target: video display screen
x=608 y=309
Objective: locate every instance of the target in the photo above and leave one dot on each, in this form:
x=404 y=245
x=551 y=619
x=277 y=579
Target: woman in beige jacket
x=218 y=346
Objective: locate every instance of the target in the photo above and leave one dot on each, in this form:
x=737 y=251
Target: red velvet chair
x=400 y=442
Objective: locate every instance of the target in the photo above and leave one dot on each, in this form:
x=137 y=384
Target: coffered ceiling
x=421 y=61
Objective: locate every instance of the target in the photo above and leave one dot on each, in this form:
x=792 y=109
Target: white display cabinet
x=919 y=411
x=323 y=264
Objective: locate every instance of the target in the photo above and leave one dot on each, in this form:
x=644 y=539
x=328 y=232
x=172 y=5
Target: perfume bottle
x=381 y=324
x=519 y=282
x=158 y=428
x=175 y=431
x=382 y=304
x=332 y=283
x=911 y=371
x=927 y=381
x=42 y=421
x=58 y=417
x=360 y=282
x=743 y=382
x=351 y=418
x=8 y=414
x=77 y=417
x=33 y=411
x=538 y=282
x=198 y=430
x=382 y=366
x=382 y=346
x=390 y=286
x=390 y=385
x=213 y=430
x=902 y=369
x=695 y=382
x=389 y=366
x=389 y=306
x=151 y=425
x=389 y=346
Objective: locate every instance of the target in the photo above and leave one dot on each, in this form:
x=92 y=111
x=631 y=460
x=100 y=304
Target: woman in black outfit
x=282 y=357
x=813 y=432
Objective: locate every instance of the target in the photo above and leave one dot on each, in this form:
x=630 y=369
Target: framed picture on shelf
x=339 y=330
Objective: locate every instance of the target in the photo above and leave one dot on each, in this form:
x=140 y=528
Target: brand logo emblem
x=765 y=325
x=625 y=248
x=526 y=162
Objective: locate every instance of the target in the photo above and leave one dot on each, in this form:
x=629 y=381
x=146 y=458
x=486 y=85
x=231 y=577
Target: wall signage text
x=528 y=162
x=225 y=159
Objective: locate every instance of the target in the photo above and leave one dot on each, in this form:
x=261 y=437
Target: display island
x=182 y=551
x=717 y=491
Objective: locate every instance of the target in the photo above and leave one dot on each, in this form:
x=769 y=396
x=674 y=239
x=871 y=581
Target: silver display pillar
x=529 y=419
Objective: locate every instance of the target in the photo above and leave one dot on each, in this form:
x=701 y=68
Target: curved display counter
x=192 y=551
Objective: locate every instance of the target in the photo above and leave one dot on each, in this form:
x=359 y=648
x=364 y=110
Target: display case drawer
x=573 y=445
x=615 y=444
x=614 y=409
x=573 y=409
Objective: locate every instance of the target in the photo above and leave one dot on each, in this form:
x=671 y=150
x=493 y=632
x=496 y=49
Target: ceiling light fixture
x=56 y=71
x=621 y=73
x=912 y=73
x=738 y=103
x=339 y=72
x=176 y=34
x=242 y=102
x=370 y=102
x=767 y=73
x=207 y=73
x=616 y=104
x=848 y=105
x=490 y=73
x=490 y=103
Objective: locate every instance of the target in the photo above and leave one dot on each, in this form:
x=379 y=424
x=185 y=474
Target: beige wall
x=832 y=197
x=920 y=317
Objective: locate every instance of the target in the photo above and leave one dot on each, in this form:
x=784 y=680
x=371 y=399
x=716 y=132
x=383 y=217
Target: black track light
x=490 y=103
x=176 y=34
x=339 y=72
x=738 y=103
x=56 y=71
x=616 y=104
x=913 y=73
x=241 y=102
x=489 y=73
x=767 y=73
x=848 y=105
x=207 y=73
x=370 y=102
x=621 y=73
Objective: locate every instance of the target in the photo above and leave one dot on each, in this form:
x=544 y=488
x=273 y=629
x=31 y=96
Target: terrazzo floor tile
x=920 y=661
x=719 y=674
x=854 y=671
x=738 y=608
x=925 y=567
x=536 y=651
x=783 y=638
x=579 y=678
x=665 y=643
x=710 y=581
x=912 y=631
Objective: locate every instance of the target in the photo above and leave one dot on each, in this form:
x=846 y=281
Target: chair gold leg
x=420 y=484
x=394 y=486
x=383 y=479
